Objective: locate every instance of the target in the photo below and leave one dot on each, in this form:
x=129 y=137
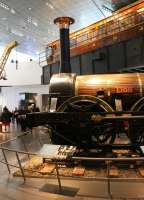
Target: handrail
x=113 y=25
x=116 y=15
x=105 y=33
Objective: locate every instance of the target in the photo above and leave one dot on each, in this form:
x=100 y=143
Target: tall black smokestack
x=64 y=23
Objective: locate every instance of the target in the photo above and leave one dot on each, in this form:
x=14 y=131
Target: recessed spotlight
x=29 y=19
x=49 y=5
x=13 y=11
x=3 y=5
x=29 y=8
x=35 y=23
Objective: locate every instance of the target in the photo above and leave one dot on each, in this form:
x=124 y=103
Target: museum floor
x=14 y=188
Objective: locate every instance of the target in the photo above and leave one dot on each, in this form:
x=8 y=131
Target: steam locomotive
x=90 y=110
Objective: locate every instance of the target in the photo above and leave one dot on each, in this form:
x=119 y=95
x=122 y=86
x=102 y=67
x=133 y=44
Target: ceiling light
x=35 y=23
x=13 y=11
x=5 y=6
x=49 y=5
x=29 y=20
x=29 y=8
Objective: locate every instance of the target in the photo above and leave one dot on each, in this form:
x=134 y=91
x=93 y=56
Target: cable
x=97 y=6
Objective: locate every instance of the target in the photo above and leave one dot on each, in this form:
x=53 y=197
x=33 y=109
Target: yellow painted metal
x=5 y=56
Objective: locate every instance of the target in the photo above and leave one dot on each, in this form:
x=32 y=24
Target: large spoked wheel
x=85 y=133
x=136 y=127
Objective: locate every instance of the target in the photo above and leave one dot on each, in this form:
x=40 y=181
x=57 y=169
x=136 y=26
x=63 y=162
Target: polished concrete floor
x=12 y=188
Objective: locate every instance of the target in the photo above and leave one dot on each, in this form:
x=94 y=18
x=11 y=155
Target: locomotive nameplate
x=122 y=90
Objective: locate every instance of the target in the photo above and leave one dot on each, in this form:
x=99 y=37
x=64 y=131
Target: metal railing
x=95 y=33
x=23 y=170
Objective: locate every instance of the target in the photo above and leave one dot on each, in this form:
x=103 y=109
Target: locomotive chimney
x=64 y=23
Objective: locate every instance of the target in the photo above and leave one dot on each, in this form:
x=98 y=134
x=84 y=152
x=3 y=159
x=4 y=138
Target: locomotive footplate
x=91 y=129
x=41 y=118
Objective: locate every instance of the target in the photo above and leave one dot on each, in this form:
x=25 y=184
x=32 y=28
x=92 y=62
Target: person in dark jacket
x=6 y=119
x=22 y=118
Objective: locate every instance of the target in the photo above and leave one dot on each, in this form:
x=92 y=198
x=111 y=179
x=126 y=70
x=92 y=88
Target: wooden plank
x=78 y=171
x=49 y=168
x=121 y=151
x=141 y=171
x=114 y=172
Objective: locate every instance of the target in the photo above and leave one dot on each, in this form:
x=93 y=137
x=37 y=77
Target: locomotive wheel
x=85 y=133
x=136 y=128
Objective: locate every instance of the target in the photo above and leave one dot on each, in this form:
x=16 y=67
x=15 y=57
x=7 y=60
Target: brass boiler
x=127 y=83
x=129 y=87
x=69 y=84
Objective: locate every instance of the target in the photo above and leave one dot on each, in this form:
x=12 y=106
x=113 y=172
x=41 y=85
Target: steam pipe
x=64 y=23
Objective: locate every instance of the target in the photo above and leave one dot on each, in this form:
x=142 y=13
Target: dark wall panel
x=75 y=65
x=100 y=61
x=86 y=63
x=134 y=52
x=107 y=59
x=116 y=57
x=55 y=68
x=46 y=74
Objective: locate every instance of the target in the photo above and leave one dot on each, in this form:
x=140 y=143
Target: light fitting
x=13 y=11
x=49 y=5
x=3 y=5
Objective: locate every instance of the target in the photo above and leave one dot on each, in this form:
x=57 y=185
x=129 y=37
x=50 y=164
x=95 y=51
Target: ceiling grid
x=30 y=22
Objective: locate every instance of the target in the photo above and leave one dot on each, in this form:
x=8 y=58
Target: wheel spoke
x=136 y=128
x=90 y=133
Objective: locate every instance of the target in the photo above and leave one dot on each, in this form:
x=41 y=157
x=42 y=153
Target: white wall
x=28 y=73
x=25 y=79
x=10 y=97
